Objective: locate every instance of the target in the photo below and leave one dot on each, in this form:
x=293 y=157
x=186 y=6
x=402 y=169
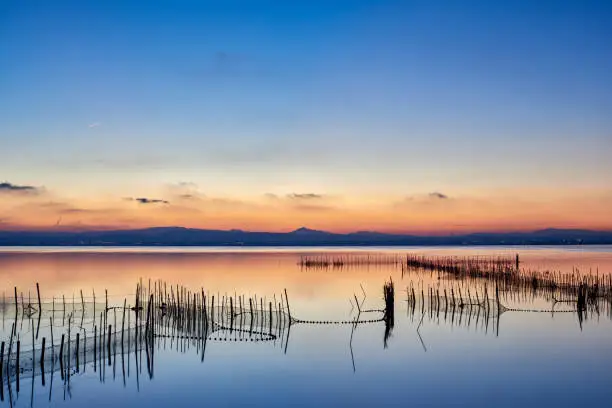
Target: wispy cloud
x=305 y=196
x=189 y=197
x=187 y=184
x=94 y=125
x=185 y=190
x=145 y=200
x=423 y=200
x=310 y=202
x=65 y=208
x=7 y=187
x=438 y=195
x=313 y=208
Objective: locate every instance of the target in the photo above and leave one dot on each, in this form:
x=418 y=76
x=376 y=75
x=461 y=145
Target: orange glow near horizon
x=425 y=214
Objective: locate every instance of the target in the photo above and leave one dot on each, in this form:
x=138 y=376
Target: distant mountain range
x=178 y=236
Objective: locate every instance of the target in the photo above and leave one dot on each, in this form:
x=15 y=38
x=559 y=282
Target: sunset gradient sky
x=399 y=116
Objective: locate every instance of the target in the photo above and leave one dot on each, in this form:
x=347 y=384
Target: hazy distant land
x=178 y=236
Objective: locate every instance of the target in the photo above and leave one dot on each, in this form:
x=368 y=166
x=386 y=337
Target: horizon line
x=59 y=229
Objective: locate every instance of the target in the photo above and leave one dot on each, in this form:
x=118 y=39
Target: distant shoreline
x=374 y=245
x=303 y=237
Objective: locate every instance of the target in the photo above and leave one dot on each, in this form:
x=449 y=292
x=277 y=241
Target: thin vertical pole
x=39 y=302
x=77 y=351
x=287 y=300
x=42 y=361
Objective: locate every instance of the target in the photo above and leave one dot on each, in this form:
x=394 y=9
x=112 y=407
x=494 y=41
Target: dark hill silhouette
x=179 y=236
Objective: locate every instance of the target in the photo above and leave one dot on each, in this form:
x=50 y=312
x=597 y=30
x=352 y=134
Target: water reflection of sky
x=260 y=271
x=537 y=359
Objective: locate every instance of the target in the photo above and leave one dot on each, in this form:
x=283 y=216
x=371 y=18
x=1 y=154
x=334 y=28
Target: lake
x=528 y=348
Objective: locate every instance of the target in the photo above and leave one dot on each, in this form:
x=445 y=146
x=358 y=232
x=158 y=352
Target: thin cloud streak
x=16 y=188
x=145 y=200
x=438 y=195
x=305 y=196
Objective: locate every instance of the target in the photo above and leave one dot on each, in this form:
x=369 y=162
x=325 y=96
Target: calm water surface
x=521 y=358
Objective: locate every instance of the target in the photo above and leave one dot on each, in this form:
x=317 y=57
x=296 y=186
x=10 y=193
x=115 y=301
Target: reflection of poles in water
x=353 y=327
x=478 y=309
x=17 y=363
x=419 y=333
x=9 y=387
x=16 y=312
x=389 y=316
x=68 y=359
x=189 y=321
x=129 y=344
x=149 y=337
x=288 y=332
x=2 y=372
x=33 y=361
x=122 y=338
x=581 y=304
x=52 y=373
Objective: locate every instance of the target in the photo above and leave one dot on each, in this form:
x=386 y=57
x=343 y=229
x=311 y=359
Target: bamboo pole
x=77 y=351
x=39 y=302
x=287 y=300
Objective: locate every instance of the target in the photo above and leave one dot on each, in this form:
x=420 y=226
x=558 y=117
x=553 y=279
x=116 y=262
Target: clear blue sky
x=323 y=96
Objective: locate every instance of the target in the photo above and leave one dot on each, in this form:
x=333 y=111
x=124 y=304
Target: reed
x=324 y=261
x=502 y=273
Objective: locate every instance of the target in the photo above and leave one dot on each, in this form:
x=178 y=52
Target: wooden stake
x=42 y=361
x=288 y=310
x=77 y=351
x=39 y=302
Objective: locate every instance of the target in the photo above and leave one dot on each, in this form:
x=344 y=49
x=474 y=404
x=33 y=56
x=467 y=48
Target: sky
x=398 y=116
